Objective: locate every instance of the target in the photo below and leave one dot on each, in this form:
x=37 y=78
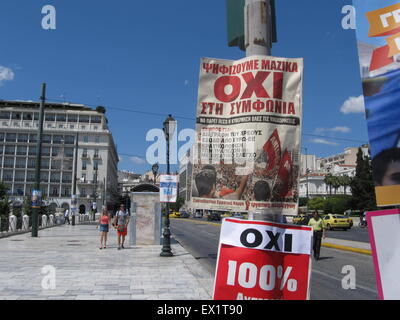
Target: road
x=201 y=239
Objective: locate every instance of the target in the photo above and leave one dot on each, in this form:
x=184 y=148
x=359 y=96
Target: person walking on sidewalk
x=121 y=221
x=104 y=223
x=318 y=233
x=66 y=216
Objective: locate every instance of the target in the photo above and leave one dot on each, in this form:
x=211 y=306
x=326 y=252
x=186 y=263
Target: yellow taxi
x=299 y=219
x=335 y=221
x=175 y=214
x=226 y=214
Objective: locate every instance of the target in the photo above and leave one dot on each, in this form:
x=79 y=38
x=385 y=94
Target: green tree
x=328 y=181
x=177 y=205
x=345 y=181
x=362 y=186
x=316 y=203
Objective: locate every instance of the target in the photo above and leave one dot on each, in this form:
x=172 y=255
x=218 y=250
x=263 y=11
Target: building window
x=61 y=117
x=8 y=162
x=97 y=139
x=72 y=118
x=27 y=116
x=23 y=137
x=96 y=119
x=32 y=138
x=9 y=149
x=84 y=165
x=69 y=139
x=21 y=150
x=16 y=116
x=84 y=119
x=95 y=165
x=58 y=139
x=5 y=115
x=85 y=139
x=11 y=137
x=50 y=117
x=46 y=138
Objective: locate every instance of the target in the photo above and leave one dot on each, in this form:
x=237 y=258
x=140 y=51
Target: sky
x=141 y=60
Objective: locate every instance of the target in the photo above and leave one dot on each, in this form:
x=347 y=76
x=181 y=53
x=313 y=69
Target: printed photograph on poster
x=378 y=36
x=248 y=134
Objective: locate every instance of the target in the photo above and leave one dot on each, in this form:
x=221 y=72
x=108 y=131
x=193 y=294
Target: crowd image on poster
x=378 y=35
x=248 y=134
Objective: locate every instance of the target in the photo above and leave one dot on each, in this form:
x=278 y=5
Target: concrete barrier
x=12 y=227
x=44 y=221
x=51 y=220
x=25 y=223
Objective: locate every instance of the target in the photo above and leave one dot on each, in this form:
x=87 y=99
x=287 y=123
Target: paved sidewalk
x=83 y=271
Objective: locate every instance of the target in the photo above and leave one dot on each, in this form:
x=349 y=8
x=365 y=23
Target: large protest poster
x=262 y=260
x=383 y=227
x=378 y=36
x=249 y=114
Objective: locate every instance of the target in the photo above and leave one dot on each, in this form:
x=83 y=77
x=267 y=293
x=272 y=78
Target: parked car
x=184 y=214
x=301 y=219
x=334 y=221
x=213 y=216
x=198 y=213
x=237 y=215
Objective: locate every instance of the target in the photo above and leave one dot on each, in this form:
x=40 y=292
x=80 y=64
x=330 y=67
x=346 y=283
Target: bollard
x=44 y=221
x=12 y=224
x=25 y=222
x=51 y=220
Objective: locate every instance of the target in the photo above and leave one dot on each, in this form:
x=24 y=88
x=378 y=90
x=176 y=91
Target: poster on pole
x=383 y=227
x=260 y=260
x=378 y=39
x=168 y=188
x=248 y=132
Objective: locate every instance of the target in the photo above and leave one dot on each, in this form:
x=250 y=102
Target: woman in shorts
x=104 y=223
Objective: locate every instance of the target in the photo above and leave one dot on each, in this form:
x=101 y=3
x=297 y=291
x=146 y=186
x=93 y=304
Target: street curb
x=345 y=248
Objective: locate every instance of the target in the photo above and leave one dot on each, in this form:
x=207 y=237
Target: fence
x=23 y=223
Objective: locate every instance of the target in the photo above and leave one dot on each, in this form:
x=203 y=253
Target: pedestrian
x=121 y=221
x=318 y=233
x=104 y=223
x=66 y=216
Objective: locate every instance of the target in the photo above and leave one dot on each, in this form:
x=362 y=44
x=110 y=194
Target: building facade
x=76 y=141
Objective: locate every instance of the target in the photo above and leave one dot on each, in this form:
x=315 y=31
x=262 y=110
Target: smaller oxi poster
x=260 y=260
x=378 y=37
x=168 y=188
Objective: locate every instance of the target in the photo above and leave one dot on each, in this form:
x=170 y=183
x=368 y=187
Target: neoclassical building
x=76 y=141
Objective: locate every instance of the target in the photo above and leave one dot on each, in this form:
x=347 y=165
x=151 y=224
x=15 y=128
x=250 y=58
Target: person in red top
x=104 y=223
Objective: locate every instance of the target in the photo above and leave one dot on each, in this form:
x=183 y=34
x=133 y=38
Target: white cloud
x=353 y=105
x=334 y=129
x=6 y=74
x=324 y=141
x=137 y=160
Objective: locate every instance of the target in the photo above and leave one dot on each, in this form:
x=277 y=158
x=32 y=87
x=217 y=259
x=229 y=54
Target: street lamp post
x=169 y=126
x=94 y=204
x=154 y=169
x=36 y=206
